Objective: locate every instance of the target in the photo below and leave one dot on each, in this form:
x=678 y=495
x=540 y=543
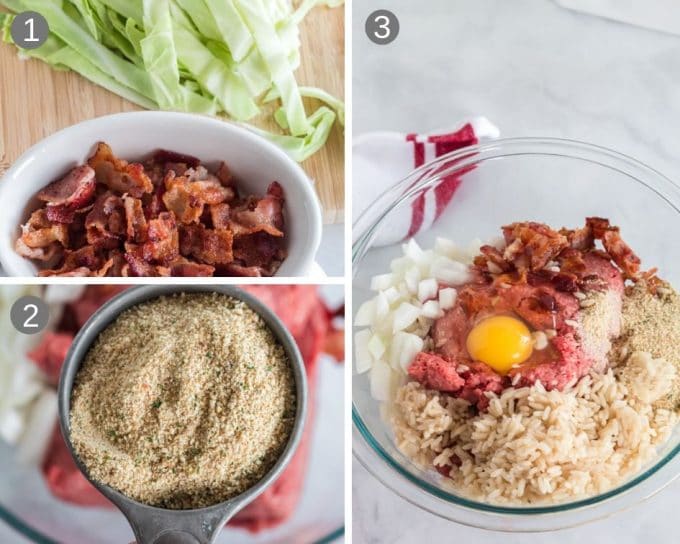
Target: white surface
x=254 y=161
x=331 y=254
x=660 y=15
x=534 y=69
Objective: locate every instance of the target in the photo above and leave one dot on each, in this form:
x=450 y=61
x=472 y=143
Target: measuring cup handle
x=153 y=526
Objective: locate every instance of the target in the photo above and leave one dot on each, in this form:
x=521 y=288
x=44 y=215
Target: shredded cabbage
x=204 y=56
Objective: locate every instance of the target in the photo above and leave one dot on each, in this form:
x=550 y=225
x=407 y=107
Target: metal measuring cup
x=152 y=525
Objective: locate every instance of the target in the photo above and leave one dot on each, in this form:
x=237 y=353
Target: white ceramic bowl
x=254 y=161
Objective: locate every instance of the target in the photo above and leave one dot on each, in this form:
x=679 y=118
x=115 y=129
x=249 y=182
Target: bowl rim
x=9 y=258
x=365 y=228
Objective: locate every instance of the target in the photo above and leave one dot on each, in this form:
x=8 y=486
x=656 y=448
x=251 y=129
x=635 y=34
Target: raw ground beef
x=310 y=323
x=449 y=368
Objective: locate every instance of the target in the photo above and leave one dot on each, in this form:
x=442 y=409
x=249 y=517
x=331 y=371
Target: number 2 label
x=29 y=323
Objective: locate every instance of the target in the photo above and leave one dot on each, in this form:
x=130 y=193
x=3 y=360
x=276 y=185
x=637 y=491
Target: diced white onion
x=410 y=346
x=376 y=347
x=61 y=294
x=39 y=428
x=381 y=282
x=412 y=250
x=446 y=247
x=391 y=294
x=412 y=279
x=366 y=314
x=432 y=309
x=381 y=381
x=447 y=298
x=449 y=271
x=404 y=316
x=362 y=355
x=427 y=289
x=11 y=426
x=382 y=306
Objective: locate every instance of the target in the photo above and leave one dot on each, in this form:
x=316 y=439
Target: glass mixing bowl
x=558 y=182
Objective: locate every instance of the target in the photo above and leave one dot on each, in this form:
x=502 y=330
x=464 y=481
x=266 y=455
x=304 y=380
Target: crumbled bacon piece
x=616 y=248
x=163 y=156
x=532 y=245
x=581 y=239
x=75 y=190
x=106 y=225
x=136 y=221
x=233 y=269
x=220 y=215
x=118 y=175
x=81 y=262
x=258 y=249
x=491 y=255
x=167 y=216
x=179 y=200
x=207 y=245
x=224 y=174
x=163 y=240
x=185 y=268
x=40 y=232
x=265 y=214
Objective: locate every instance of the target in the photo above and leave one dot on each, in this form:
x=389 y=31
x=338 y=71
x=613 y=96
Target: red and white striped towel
x=382 y=159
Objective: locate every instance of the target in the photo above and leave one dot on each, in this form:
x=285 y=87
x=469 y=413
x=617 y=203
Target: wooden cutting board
x=36 y=101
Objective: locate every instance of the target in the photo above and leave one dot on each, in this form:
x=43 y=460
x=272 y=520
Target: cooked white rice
x=535 y=446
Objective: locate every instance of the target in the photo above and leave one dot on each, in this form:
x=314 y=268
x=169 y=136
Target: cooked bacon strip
x=621 y=254
x=178 y=199
x=47 y=253
x=164 y=156
x=162 y=246
x=491 y=255
x=75 y=189
x=182 y=267
x=220 y=215
x=118 y=175
x=532 y=245
x=61 y=214
x=571 y=261
x=211 y=191
x=106 y=224
x=136 y=222
x=207 y=245
x=115 y=266
x=617 y=249
x=264 y=214
x=259 y=249
x=138 y=265
x=40 y=232
x=581 y=239
x=224 y=175
x=82 y=262
x=80 y=272
x=234 y=269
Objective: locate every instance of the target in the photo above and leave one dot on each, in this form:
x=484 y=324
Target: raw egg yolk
x=500 y=341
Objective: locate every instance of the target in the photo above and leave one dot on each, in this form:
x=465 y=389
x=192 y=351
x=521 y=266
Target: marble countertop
x=534 y=69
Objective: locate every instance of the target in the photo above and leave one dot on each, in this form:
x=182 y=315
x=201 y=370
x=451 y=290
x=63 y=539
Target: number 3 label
x=29 y=315
x=382 y=27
